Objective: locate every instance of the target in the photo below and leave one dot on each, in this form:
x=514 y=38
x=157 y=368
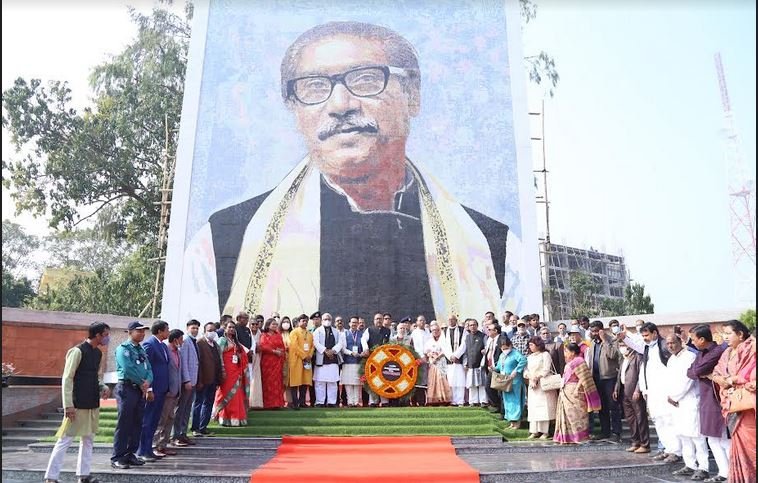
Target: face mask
x=615 y=329
x=624 y=350
x=327 y=323
x=105 y=340
x=286 y=326
x=211 y=336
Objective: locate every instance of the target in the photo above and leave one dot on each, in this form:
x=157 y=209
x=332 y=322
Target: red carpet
x=364 y=459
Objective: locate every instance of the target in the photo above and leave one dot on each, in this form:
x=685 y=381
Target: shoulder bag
x=501 y=382
x=552 y=382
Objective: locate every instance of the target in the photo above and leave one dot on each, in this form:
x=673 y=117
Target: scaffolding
x=607 y=273
x=543 y=200
x=167 y=182
x=559 y=264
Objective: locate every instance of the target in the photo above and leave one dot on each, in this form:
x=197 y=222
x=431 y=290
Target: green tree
x=636 y=301
x=16 y=291
x=583 y=295
x=18 y=247
x=109 y=155
x=541 y=66
x=748 y=318
x=125 y=290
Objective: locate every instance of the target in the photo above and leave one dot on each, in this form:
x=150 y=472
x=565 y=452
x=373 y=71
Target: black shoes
x=134 y=461
x=120 y=465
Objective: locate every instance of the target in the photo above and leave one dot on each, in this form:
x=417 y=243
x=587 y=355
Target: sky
x=633 y=136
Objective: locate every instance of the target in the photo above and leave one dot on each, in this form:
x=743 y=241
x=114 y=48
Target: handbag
x=740 y=399
x=501 y=382
x=552 y=382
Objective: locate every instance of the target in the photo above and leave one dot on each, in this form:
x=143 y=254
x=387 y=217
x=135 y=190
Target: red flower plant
x=363 y=378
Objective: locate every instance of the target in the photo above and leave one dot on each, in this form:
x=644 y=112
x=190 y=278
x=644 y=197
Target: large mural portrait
x=355 y=157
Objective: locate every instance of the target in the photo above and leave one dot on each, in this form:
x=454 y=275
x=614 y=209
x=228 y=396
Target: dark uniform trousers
x=131 y=408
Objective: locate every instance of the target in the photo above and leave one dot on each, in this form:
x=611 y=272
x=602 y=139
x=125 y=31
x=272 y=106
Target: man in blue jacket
x=157 y=354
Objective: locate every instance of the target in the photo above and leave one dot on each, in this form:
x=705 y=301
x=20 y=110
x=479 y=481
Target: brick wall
x=36 y=341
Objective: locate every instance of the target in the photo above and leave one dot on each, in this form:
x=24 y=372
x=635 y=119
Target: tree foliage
x=73 y=164
x=122 y=291
x=541 y=66
x=748 y=318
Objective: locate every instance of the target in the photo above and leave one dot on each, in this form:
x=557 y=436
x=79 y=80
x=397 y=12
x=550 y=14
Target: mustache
x=351 y=123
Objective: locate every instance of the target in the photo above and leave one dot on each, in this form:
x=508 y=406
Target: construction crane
x=741 y=202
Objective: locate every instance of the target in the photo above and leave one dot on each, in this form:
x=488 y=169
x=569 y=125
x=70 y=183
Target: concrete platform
x=232 y=460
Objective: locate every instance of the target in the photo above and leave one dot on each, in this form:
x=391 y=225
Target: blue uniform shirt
x=132 y=363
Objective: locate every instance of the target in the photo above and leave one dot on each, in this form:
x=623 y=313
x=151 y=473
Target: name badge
x=235 y=359
x=306 y=346
x=355 y=348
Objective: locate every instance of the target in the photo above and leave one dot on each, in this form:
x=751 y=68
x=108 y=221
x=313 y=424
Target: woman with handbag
x=735 y=376
x=578 y=398
x=510 y=365
x=540 y=402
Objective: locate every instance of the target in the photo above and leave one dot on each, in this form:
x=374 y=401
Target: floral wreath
x=391 y=371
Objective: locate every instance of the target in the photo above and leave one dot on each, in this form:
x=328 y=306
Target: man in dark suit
x=157 y=354
x=210 y=375
x=627 y=393
x=375 y=336
x=492 y=352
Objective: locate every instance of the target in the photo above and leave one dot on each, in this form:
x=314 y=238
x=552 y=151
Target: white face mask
x=624 y=350
x=211 y=336
x=327 y=323
x=286 y=326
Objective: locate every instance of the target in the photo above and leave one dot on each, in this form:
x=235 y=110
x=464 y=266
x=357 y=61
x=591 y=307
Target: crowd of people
x=697 y=388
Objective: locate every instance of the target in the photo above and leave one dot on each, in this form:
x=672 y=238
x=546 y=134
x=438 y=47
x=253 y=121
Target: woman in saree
x=578 y=397
x=273 y=354
x=230 y=406
x=512 y=362
x=284 y=329
x=437 y=350
x=735 y=377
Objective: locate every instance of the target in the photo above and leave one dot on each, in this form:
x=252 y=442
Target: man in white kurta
x=684 y=395
x=327 y=342
x=456 y=375
x=653 y=384
x=77 y=421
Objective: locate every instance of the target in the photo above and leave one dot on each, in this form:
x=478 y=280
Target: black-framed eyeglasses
x=361 y=82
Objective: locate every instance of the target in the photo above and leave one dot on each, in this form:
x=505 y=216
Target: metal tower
x=741 y=203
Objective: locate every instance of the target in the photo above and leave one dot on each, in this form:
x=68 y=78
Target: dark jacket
x=632 y=375
x=474 y=345
x=211 y=370
x=711 y=420
x=157 y=354
x=555 y=349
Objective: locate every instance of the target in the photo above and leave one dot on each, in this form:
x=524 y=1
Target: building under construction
x=560 y=263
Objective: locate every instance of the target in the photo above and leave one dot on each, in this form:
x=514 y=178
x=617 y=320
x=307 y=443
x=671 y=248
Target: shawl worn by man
x=578 y=397
x=267 y=277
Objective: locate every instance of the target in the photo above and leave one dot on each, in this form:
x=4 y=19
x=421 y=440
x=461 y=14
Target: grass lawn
x=358 y=422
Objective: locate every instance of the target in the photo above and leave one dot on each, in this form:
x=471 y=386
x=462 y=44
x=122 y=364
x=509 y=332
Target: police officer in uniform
x=134 y=379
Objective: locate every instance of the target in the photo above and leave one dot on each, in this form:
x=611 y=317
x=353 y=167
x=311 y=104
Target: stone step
x=22 y=441
x=186 y=451
x=29 y=431
x=174 y=469
x=58 y=416
x=39 y=423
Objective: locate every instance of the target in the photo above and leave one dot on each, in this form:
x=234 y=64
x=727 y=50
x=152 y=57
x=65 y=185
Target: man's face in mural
x=353 y=139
